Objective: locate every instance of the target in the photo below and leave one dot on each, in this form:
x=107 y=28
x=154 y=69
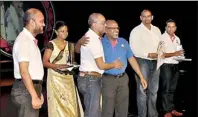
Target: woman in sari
x=62 y=95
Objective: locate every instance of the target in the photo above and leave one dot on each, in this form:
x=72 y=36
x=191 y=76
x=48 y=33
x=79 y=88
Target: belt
x=94 y=74
x=33 y=81
x=117 y=76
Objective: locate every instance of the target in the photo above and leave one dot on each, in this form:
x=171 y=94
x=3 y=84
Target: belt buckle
x=100 y=76
x=119 y=75
x=82 y=74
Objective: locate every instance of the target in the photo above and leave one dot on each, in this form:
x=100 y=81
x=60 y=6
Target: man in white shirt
x=144 y=40
x=28 y=67
x=92 y=65
x=169 y=72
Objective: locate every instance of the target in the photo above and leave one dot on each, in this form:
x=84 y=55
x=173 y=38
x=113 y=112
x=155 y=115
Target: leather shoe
x=176 y=113
x=168 y=115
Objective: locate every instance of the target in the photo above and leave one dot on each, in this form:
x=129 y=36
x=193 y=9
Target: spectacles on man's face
x=113 y=28
x=99 y=22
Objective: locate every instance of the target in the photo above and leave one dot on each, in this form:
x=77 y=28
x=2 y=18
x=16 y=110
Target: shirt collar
x=94 y=33
x=29 y=34
x=105 y=38
x=146 y=27
x=169 y=36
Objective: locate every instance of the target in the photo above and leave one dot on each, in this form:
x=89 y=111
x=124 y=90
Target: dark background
x=127 y=14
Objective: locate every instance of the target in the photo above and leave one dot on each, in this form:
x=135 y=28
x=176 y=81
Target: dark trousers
x=115 y=96
x=90 y=88
x=22 y=99
x=169 y=76
x=146 y=99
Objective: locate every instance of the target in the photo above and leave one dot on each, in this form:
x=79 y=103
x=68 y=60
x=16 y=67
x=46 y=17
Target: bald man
x=28 y=67
x=92 y=65
x=144 y=40
x=115 y=90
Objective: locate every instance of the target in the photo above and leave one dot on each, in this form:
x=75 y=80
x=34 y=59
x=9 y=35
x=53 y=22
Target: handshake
x=117 y=64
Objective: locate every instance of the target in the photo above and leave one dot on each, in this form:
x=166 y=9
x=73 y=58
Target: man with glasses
x=144 y=40
x=92 y=65
x=115 y=90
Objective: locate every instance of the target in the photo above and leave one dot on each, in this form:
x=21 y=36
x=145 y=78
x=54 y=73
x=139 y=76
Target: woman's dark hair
x=59 y=24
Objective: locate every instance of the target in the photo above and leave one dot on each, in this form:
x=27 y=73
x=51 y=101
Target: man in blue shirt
x=115 y=90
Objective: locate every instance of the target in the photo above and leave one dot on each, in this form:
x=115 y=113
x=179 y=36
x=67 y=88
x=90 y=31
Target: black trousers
x=22 y=99
x=169 y=75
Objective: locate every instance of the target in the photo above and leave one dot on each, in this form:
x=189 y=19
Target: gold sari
x=62 y=95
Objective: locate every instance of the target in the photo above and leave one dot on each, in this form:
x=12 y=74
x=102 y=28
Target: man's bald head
x=30 y=14
x=34 y=21
x=95 y=17
x=110 y=22
x=146 y=17
x=96 y=22
x=145 y=11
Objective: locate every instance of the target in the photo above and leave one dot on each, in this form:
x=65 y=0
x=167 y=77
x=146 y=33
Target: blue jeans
x=147 y=98
x=90 y=87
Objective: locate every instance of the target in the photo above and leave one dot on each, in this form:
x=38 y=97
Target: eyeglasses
x=113 y=28
x=99 y=22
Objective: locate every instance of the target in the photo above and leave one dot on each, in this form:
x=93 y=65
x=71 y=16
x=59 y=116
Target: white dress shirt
x=170 y=47
x=25 y=49
x=143 y=41
x=90 y=52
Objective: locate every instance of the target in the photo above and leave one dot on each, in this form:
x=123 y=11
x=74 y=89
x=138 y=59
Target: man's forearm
x=102 y=65
x=135 y=66
x=29 y=84
x=107 y=66
x=77 y=47
x=167 y=55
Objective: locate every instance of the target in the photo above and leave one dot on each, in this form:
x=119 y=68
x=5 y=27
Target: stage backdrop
x=12 y=13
